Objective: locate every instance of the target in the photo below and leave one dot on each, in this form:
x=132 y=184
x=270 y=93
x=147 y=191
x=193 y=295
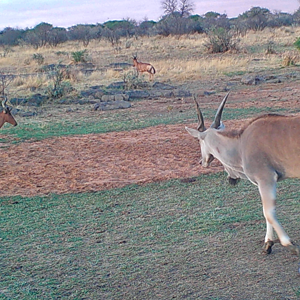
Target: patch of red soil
x=100 y=161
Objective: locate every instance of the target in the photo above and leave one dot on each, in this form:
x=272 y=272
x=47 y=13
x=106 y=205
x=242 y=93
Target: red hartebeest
x=5 y=115
x=144 y=67
x=264 y=151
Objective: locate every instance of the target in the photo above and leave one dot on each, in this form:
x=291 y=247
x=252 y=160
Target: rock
x=119 y=97
x=107 y=98
x=99 y=94
x=120 y=65
x=18 y=101
x=112 y=105
x=252 y=79
x=27 y=114
x=125 y=97
x=182 y=93
x=163 y=86
x=117 y=85
x=207 y=93
x=34 y=100
x=21 y=113
x=135 y=94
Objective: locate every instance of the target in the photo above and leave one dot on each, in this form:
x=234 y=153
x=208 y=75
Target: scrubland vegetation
x=180 y=46
x=176 y=59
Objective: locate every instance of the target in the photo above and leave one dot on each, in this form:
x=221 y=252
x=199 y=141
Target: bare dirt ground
x=100 y=161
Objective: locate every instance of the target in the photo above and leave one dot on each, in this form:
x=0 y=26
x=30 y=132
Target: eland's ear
x=195 y=133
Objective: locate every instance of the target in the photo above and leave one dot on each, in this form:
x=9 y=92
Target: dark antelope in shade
x=5 y=115
x=143 y=67
x=264 y=151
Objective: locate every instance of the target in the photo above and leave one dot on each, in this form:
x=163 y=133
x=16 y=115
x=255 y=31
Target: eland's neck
x=227 y=151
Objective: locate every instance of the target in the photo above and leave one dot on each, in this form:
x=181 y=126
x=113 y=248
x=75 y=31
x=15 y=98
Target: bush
x=297 y=44
x=79 y=56
x=270 y=48
x=39 y=58
x=59 y=87
x=220 y=40
x=290 y=58
x=132 y=81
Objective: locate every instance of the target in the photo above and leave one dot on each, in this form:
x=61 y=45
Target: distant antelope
x=265 y=151
x=144 y=67
x=5 y=115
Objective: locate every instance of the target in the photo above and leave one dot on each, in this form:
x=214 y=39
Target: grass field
x=195 y=238
x=39 y=128
x=158 y=241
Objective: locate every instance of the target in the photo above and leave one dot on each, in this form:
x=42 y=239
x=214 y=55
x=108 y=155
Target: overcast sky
x=65 y=13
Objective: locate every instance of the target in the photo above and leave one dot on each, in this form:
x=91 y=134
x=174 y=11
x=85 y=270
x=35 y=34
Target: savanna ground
x=114 y=205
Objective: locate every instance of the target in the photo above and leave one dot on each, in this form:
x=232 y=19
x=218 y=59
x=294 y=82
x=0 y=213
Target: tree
x=296 y=17
x=183 y=7
x=113 y=36
x=42 y=32
x=169 y=6
x=57 y=36
x=83 y=33
x=10 y=36
x=176 y=16
x=213 y=19
x=256 y=18
x=145 y=28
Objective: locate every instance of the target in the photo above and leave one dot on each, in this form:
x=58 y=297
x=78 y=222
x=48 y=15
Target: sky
x=66 y=13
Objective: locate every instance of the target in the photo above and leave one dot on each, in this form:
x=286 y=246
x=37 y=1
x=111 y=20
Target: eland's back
x=272 y=141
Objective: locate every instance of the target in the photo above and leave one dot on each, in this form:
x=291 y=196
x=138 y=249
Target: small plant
x=79 y=56
x=39 y=58
x=270 y=48
x=297 y=43
x=290 y=58
x=132 y=81
x=62 y=53
x=59 y=87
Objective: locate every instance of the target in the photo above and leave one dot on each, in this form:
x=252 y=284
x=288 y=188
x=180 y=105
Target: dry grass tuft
x=290 y=58
x=31 y=81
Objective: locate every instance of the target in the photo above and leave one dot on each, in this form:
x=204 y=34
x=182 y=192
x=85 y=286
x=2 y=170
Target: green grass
x=125 y=120
x=138 y=242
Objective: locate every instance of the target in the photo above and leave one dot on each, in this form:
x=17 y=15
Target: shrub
x=220 y=40
x=290 y=58
x=297 y=44
x=61 y=53
x=39 y=58
x=270 y=48
x=132 y=81
x=79 y=56
x=58 y=87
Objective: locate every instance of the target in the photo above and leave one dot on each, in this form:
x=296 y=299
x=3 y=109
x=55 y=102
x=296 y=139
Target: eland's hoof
x=267 y=248
x=294 y=249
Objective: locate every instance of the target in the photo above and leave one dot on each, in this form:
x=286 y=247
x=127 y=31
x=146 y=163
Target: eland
x=264 y=151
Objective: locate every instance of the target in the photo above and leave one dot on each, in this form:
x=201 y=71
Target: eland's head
x=206 y=135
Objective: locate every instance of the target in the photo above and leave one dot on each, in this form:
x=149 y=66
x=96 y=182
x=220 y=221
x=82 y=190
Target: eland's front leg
x=268 y=196
x=269 y=239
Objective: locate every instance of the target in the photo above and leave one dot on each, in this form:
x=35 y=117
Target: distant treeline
x=45 y=34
